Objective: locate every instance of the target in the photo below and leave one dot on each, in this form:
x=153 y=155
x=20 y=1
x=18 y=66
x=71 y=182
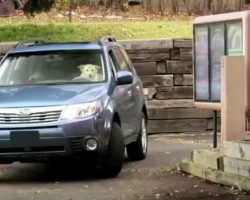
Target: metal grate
x=76 y=144
x=33 y=116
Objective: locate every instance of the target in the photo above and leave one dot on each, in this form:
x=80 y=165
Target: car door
x=124 y=95
x=137 y=89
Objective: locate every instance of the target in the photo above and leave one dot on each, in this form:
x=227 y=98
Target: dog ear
x=81 y=67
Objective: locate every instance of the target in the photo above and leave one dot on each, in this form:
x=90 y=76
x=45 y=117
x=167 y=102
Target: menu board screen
x=201 y=63
x=211 y=42
x=217 y=49
x=234 y=38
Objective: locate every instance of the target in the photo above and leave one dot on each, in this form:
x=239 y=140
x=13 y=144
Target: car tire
x=113 y=161
x=138 y=150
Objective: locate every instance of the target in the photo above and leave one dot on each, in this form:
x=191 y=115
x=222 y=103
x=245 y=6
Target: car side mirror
x=124 y=78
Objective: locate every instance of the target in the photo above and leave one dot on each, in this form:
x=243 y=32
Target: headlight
x=76 y=111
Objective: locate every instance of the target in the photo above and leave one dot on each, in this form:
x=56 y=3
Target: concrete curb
x=237 y=166
x=207 y=158
x=237 y=149
x=216 y=176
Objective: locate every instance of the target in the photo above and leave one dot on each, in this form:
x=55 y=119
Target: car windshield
x=83 y=66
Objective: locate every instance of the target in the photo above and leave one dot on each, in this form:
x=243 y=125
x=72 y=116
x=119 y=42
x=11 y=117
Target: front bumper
x=52 y=140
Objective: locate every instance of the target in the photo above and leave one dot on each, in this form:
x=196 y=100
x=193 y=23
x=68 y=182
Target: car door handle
x=129 y=93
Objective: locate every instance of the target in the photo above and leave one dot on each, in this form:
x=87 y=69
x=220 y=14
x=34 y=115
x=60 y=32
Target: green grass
x=92 y=30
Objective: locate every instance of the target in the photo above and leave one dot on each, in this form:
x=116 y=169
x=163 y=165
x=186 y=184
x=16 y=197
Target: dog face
x=89 y=71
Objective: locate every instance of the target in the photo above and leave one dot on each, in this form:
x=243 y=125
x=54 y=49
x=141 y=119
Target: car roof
x=43 y=46
x=56 y=47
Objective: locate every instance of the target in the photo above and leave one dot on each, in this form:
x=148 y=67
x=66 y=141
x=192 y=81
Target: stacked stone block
x=165 y=67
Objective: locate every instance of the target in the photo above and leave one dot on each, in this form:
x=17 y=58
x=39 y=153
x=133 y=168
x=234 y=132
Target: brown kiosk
x=222 y=70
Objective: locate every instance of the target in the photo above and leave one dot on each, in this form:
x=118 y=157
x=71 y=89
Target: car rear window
x=83 y=66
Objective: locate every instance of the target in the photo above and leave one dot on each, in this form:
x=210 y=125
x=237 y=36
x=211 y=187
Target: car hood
x=49 y=95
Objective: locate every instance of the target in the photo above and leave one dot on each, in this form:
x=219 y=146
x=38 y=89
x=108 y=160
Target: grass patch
x=95 y=30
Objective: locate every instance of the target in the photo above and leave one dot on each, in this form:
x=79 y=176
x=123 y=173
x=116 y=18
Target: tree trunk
x=174 y=6
x=147 y=5
x=20 y=4
x=188 y=6
x=240 y=4
x=70 y=10
x=162 y=7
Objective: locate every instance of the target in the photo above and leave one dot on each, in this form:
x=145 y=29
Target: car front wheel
x=138 y=150
x=113 y=160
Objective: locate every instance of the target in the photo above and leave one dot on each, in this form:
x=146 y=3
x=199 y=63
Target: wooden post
x=233 y=93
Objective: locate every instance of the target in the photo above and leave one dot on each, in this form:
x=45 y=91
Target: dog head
x=89 y=71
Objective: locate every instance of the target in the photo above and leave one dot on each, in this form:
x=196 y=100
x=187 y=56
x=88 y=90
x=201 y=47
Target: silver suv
x=71 y=100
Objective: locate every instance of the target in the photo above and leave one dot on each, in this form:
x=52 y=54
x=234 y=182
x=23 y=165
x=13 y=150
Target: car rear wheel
x=138 y=150
x=113 y=161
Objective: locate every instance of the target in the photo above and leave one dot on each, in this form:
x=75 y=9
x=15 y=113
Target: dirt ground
x=186 y=187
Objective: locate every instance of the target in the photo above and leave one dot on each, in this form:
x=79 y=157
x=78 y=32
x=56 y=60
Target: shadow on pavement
x=61 y=172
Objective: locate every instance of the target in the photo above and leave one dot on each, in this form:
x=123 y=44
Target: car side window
x=121 y=61
x=124 y=53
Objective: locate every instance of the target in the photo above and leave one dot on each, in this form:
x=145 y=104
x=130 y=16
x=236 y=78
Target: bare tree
x=196 y=6
x=221 y=6
x=162 y=6
x=218 y=6
x=212 y=6
x=239 y=5
x=188 y=6
x=174 y=6
x=20 y=4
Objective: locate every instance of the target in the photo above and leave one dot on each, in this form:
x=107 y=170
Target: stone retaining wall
x=165 y=67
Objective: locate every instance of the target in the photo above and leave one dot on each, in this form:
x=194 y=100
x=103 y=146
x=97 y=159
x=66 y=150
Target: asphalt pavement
x=156 y=177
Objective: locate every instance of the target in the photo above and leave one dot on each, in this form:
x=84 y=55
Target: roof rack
x=30 y=42
x=107 y=39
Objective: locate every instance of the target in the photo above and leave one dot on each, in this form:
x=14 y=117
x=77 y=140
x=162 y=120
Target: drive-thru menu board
x=214 y=37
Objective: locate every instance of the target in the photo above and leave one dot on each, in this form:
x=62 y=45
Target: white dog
x=89 y=72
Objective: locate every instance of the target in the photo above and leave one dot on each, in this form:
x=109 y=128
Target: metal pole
x=215 y=130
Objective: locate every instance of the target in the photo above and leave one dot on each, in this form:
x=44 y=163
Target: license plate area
x=24 y=138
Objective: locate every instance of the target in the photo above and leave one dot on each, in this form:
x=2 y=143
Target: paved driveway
x=148 y=179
